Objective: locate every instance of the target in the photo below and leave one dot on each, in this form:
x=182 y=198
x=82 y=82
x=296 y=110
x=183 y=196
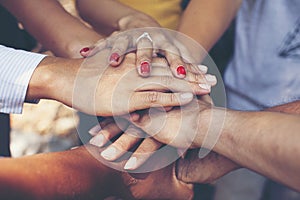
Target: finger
x=92 y=50
x=172 y=54
x=97 y=128
x=142 y=154
x=144 y=100
x=106 y=121
x=160 y=68
x=118 y=50
x=168 y=83
x=123 y=144
x=84 y=52
x=108 y=132
x=203 y=68
x=144 y=54
x=205 y=81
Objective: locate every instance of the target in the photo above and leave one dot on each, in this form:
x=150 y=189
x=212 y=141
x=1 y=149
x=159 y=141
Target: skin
x=124 y=18
x=204 y=170
x=218 y=15
x=61 y=33
x=140 y=94
x=268 y=143
x=32 y=180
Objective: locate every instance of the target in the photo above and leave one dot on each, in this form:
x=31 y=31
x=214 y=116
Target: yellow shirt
x=166 y=12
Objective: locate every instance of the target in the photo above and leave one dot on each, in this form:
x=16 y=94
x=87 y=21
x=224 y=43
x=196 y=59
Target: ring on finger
x=144 y=35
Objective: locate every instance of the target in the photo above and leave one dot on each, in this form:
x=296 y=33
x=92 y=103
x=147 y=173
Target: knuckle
x=142 y=57
x=134 y=132
x=121 y=144
x=153 y=97
x=166 y=80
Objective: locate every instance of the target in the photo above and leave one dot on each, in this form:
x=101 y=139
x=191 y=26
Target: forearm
x=205 y=21
x=64 y=175
x=107 y=16
x=51 y=25
x=54 y=78
x=290 y=108
x=265 y=142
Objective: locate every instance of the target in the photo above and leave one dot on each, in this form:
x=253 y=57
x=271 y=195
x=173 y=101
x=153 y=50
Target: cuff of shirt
x=17 y=67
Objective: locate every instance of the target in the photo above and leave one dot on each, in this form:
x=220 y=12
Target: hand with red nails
x=149 y=42
x=106 y=91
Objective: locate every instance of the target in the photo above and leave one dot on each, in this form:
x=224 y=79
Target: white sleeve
x=16 y=69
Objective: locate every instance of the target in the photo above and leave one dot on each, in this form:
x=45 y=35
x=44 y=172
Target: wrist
x=54 y=79
x=213 y=125
x=136 y=20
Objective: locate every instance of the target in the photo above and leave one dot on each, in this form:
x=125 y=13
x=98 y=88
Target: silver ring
x=144 y=35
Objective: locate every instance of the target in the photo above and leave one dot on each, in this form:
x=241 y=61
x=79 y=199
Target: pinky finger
x=92 y=50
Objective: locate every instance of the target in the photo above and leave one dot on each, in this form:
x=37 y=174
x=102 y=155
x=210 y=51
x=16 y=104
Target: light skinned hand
x=127 y=140
x=182 y=127
x=103 y=90
x=150 y=42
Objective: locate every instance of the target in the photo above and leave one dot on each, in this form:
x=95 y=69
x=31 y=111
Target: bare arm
x=64 y=175
x=214 y=166
x=107 y=16
x=290 y=108
x=205 y=21
x=77 y=174
x=266 y=142
x=51 y=25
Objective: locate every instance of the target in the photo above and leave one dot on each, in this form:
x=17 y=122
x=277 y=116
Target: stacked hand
x=149 y=42
x=147 y=131
x=105 y=91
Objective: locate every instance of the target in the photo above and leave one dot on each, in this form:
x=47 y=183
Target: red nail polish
x=181 y=70
x=114 y=57
x=145 y=67
x=84 y=50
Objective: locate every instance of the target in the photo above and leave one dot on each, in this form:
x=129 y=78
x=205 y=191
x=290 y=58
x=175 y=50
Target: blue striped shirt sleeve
x=16 y=69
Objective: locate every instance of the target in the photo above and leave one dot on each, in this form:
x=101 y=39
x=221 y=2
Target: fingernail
x=181 y=71
x=203 y=68
x=84 y=50
x=145 y=67
x=131 y=163
x=98 y=140
x=109 y=153
x=205 y=86
x=114 y=57
x=186 y=96
x=76 y=147
x=211 y=78
x=95 y=130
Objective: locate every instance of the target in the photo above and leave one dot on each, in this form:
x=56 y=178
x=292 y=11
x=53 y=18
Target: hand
x=182 y=127
x=154 y=41
x=126 y=141
x=193 y=169
x=156 y=184
x=133 y=136
x=103 y=90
